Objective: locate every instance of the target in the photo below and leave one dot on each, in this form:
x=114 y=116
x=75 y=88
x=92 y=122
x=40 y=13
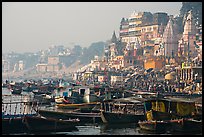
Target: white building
x=20 y=65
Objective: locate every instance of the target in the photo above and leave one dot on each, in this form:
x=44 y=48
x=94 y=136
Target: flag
x=182 y=65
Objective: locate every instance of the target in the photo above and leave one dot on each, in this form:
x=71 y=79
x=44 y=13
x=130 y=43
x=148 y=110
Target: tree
x=77 y=50
x=96 y=49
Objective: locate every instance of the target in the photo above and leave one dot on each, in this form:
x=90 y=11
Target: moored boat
x=155 y=126
x=78 y=106
x=16 y=91
x=112 y=118
x=187 y=125
x=13 y=124
x=124 y=110
x=13 y=116
x=88 y=95
x=170 y=114
x=42 y=124
x=85 y=117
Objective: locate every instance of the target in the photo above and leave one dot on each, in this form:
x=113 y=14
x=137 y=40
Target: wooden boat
x=124 y=110
x=16 y=91
x=61 y=100
x=43 y=98
x=42 y=124
x=39 y=92
x=66 y=100
x=187 y=125
x=177 y=125
x=78 y=106
x=109 y=117
x=155 y=126
x=161 y=111
x=62 y=114
x=88 y=95
x=67 y=96
x=13 y=124
x=13 y=118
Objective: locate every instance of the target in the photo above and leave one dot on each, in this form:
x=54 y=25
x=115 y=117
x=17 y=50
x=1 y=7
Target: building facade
x=155 y=63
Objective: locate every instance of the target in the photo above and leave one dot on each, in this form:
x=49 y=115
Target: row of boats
x=158 y=112
x=153 y=113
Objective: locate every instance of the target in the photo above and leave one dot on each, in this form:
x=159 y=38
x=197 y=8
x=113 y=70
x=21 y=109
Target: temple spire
x=114 y=38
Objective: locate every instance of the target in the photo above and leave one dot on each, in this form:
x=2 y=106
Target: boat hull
x=108 y=117
x=84 y=117
x=155 y=126
x=78 y=106
x=42 y=124
x=13 y=125
x=187 y=125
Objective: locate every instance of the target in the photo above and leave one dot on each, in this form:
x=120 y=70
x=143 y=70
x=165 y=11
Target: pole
x=188 y=59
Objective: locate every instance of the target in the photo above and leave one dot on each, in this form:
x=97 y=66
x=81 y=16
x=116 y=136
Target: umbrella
x=169 y=76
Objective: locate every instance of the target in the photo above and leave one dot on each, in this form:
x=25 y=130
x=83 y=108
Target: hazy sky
x=32 y=26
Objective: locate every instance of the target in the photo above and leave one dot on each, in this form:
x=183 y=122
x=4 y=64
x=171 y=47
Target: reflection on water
x=123 y=129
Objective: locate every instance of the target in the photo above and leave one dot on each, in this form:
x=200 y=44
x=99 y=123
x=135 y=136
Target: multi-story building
x=160 y=18
x=124 y=29
x=117 y=63
x=130 y=58
x=54 y=60
x=136 y=20
x=130 y=29
x=151 y=32
x=155 y=63
x=53 y=65
x=41 y=67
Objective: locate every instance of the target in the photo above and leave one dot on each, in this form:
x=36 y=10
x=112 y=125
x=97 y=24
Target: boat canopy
x=178 y=106
x=126 y=100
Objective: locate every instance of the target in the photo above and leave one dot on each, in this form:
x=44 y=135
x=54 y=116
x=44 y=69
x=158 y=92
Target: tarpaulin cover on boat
x=184 y=109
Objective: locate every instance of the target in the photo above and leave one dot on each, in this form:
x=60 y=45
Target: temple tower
x=170 y=40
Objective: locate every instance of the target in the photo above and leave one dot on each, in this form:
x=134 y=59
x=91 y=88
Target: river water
x=88 y=128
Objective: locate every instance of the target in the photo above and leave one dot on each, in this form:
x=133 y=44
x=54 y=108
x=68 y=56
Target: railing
x=19 y=109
